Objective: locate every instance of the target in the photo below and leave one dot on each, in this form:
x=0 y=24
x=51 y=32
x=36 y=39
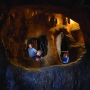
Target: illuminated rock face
x=74 y=76
x=24 y=23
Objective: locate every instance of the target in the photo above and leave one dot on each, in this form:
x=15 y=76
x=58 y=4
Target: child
x=65 y=58
x=39 y=55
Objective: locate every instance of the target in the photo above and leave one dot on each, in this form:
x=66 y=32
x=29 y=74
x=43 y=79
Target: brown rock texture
x=33 y=18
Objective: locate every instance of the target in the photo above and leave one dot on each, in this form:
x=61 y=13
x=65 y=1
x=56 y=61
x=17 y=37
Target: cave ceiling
x=65 y=7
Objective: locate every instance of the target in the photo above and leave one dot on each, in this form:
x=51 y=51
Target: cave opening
x=39 y=43
x=62 y=47
x=40 y=28
x=64 y=50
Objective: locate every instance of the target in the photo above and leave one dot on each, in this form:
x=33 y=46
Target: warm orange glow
x=52 y=36
x=32 y=13
x=49 y=18
x=69 y=26
x=27 y=11
x=71 y=21
x=58 y=21
x=73 y=26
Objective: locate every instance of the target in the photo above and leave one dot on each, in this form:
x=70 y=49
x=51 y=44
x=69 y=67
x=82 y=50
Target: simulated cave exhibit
x=39 y=43
x=54 y=27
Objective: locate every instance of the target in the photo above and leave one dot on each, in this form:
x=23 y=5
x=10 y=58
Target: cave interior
x=55 y=27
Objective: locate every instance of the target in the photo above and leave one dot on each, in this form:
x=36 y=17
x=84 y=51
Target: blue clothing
x=65 y=60
x=36 y=56
x=32 y=52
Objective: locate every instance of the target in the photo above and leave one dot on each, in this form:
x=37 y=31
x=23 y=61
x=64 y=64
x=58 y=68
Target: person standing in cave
x=31 y=50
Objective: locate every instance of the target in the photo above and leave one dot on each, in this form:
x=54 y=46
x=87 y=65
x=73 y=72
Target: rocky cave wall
x=24 y=23
x=70 y=77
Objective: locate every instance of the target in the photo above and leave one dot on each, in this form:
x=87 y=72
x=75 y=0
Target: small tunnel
x=64 y=50
x=62 y=46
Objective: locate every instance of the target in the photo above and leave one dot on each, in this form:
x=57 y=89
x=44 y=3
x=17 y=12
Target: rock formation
x=22 y=20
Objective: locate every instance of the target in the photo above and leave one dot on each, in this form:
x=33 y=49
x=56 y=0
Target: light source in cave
x=71 y=25
x=71 y=21
x=49 y=18
x=57 y=21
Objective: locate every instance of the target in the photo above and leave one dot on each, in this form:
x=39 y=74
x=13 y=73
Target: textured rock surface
x=6 y=77
x=74 y=76
x=66 y=77
x=70 y=77
x=24 y=23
